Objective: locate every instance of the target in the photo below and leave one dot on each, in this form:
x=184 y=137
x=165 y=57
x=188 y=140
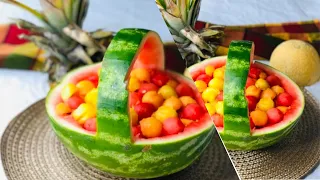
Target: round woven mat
x=31 y=151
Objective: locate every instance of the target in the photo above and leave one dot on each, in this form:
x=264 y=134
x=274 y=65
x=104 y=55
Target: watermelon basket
x=127 y=116
x=254 y=105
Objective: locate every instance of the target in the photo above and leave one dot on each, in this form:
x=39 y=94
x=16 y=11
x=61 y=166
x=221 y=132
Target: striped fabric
x=19 y=54
x=267 y=36
x=16 y=53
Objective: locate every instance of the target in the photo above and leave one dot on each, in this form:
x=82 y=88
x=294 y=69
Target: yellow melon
x=299 y=60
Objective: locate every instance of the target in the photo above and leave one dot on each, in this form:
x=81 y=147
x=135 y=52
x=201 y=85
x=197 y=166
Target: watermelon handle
x=238 y=63
x=128 y=49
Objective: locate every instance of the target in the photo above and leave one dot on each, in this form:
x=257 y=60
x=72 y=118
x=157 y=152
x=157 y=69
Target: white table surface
x=20 y=89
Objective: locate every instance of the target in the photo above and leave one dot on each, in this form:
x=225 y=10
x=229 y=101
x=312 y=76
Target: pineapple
x=66 y=44
x=180 y=17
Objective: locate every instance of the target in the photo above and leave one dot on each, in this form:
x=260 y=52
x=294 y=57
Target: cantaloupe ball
x=186 y=100
x=151 y=127
x=253 y=91
x=167 y=91
x=277 y=89
x=152 y=97
x=265 y=104
x=210 y=94
x=173 y=102
x=165 y=112
x=219 y=108
x=297 y=59
x=216 y=83
x=141 y=74
x=209 y=70
x=172 y=83
x=262 y=84
x=219 y=73
x=201 y=85
x=134 y=84
x=268 y=93
x=211 y=108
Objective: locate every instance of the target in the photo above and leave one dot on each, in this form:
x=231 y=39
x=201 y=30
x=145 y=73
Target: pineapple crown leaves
x=62 y=36
x=180 y=16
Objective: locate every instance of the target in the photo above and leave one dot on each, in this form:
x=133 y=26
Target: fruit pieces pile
x=79 y=102
x=160 y=105
x=267 y=100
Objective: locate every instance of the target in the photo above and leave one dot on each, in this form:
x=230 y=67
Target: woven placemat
x=31 y=151
x=293 y=158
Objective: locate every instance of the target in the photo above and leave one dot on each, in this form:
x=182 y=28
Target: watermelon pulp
x=253 y=138
x=112 y=147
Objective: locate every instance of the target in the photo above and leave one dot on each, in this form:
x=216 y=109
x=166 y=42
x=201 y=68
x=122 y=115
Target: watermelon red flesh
x=111 y=149
x=268 y=135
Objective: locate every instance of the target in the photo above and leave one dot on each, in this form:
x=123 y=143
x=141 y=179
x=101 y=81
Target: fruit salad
x=267 y=100
x=159 y=105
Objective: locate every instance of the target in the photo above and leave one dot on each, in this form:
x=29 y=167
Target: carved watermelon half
x=233 y=123
x=113 y=147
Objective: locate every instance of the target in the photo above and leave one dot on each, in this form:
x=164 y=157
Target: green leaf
x=80 y=8
x=60 y=42
x=57 y=3
x=182 y=4
x=173 y=8
x=210 y=32
x=161 y=3
x=194 y=12
x=47 y=45
x=79 y=53
x=36 y=13
x=195 y=49
x=54 y=15
x=196 y=38
x=83 y=12
x=29 y=26
x=75 y=10
x=82 y=37
x=68 y=11
x=101 y=34
x=174 y=22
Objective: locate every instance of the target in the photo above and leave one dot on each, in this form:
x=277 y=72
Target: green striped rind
x=234 y=142
x=236 y=121
x=111 y=149
x=131 y=160
x=236 y=134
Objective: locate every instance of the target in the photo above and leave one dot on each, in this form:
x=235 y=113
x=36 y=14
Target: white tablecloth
x=20 y=89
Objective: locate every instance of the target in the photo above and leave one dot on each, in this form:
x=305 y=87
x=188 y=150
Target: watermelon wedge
x=105 y=131
x=251 y=114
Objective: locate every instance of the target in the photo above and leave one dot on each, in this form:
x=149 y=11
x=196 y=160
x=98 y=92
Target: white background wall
x=116 y=14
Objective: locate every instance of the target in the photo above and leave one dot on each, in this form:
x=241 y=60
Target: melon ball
x=299 y=60
x=165 y=112
x=151 y=127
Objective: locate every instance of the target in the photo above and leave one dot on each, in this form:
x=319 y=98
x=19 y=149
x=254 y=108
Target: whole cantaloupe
x=299 y=60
